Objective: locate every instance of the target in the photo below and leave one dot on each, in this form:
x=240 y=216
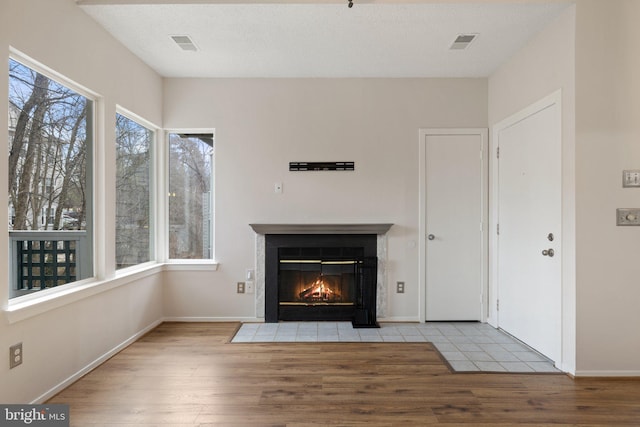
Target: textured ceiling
x=324 y=40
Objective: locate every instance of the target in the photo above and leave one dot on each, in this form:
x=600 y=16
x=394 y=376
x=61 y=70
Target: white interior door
x=529 y=218
x=454 y=213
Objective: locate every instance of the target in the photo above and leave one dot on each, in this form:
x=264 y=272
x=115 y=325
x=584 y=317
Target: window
x=133 y=195
x=190 y=196
x=50 y=199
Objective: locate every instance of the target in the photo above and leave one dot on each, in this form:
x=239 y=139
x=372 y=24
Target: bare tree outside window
x=133 y=167
x=47 y=152
x=49 y=142
x=190 y=207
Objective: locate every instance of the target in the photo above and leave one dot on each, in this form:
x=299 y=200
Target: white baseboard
x=213 y=319
x=583 y=373
x=99 y=361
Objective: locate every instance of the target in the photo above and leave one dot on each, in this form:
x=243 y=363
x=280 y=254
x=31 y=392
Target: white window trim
x=191 y=265
x=97 y=263
x=173 y=264
x=154 y=180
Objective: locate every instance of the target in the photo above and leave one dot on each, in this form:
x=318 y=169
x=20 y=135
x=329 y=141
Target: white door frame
x=422 y=223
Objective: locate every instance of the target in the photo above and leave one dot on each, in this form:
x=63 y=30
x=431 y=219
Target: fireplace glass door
x=318 y=283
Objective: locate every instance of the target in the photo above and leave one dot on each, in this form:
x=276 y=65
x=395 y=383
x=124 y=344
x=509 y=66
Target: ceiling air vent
x=463 y=41
x=185 y=43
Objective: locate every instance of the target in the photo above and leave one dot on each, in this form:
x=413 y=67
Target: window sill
x=191 y=265
x=23 y=308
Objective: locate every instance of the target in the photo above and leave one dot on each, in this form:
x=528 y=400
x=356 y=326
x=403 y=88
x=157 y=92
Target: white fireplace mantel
x=320 y=228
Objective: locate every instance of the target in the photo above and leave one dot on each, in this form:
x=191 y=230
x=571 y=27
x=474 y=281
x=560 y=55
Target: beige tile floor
x=467 y=346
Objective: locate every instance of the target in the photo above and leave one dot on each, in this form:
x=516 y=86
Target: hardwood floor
x=188 y=374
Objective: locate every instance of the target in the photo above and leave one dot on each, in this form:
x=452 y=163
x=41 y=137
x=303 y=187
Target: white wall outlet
x=400 y=287
x=249 y=287
x=240 y=287
x=15 y=355
x=277 y=187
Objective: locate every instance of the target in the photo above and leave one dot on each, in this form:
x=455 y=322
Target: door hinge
x=498 y=152
x=498 y=229
x=497 y=305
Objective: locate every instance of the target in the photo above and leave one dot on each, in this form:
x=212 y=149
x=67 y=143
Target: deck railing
x=45 y=259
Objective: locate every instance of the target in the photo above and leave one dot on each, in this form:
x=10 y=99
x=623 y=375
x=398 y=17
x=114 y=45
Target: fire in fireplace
x=320 y=292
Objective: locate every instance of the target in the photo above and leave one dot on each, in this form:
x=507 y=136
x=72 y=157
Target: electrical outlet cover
x=15 y=355
x=628 y=216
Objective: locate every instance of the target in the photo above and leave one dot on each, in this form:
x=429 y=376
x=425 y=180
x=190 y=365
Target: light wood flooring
x=189 y=374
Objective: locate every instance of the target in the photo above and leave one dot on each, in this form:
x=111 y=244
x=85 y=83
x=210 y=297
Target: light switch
x=631 y=178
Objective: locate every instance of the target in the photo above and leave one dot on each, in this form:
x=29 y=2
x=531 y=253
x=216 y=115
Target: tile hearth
x=467 y=347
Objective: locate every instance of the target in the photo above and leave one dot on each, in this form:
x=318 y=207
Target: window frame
x=153 y=189
x=206 y=264
x=90 y=259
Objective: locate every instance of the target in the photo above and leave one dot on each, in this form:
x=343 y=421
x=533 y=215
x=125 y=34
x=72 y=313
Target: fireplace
x=321 y=277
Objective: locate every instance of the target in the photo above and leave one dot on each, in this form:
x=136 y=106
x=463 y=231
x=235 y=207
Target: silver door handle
x=431 y=237
x=548 y=252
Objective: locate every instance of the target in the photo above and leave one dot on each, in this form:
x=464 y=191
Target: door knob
x=550 y=237
x=431 y=237
x=548 y=252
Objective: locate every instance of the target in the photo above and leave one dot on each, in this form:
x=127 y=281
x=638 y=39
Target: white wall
x=63 y=341
x=544 y=66
x=607 y=141
x=263 y=124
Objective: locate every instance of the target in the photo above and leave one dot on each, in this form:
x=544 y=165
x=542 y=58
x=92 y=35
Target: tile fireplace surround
x=378 y=229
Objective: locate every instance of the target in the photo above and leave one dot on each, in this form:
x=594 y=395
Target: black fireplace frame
x=362 y=314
